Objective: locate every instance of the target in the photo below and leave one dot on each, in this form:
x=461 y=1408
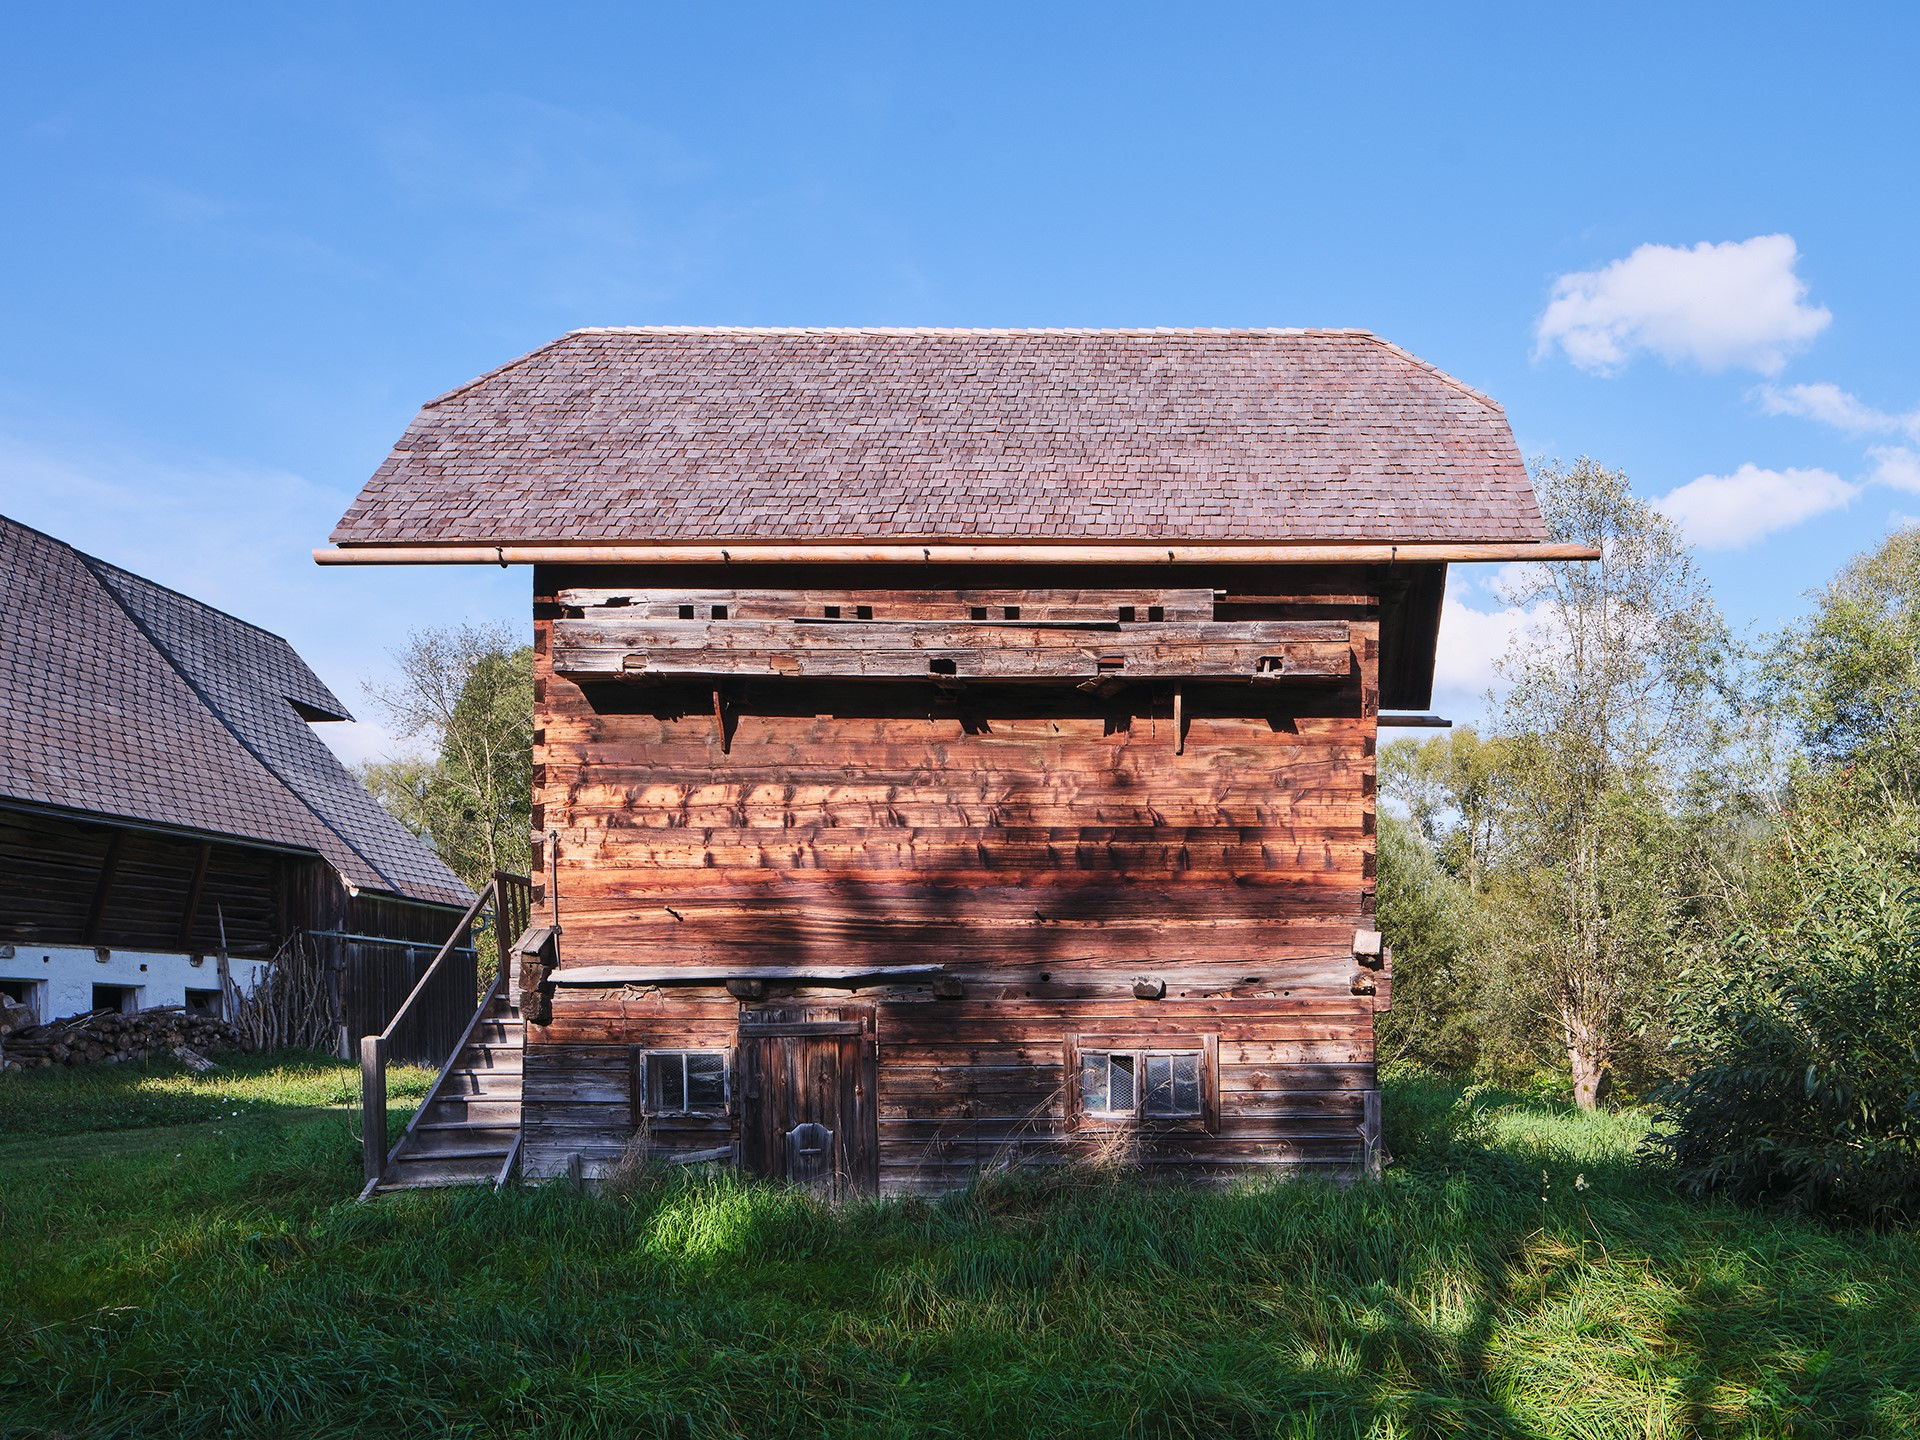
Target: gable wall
x=1047 y=847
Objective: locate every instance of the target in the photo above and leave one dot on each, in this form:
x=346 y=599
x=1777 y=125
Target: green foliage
x=1516 y=1274
x=1427 y=916
x=1848 y=678
x=469 y=693
x=1803 y=1021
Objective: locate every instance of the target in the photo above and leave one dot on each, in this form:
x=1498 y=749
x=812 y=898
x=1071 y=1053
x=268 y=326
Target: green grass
x=1516 y=1274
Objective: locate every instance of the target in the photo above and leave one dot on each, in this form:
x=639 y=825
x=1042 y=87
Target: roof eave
x=949 y=552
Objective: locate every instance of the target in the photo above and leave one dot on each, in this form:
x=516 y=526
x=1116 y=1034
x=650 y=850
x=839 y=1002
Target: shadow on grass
x=1461 y=1296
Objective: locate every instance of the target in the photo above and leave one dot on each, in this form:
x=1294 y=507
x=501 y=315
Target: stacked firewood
x=108 y=1037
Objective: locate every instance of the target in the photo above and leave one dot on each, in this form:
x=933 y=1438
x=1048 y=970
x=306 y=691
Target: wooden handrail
x=488 y=891
x=511 y=896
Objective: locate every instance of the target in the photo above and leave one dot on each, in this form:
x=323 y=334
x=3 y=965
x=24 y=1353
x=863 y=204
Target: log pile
x=110 y=1037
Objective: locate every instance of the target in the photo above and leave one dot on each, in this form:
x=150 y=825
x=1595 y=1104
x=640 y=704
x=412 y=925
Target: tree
x=468 y=693
x=1428 y=917
x=1801 y=1020
x=1612 y=711
x=1848 y=678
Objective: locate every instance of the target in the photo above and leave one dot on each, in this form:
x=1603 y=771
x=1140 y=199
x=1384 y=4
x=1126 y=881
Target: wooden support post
x=1370 y=1133
x=96 y=912
x=194 y=892
x=373 y=1105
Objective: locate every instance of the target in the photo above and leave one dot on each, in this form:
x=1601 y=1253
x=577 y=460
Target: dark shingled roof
x=669 y=434
x=128 y=700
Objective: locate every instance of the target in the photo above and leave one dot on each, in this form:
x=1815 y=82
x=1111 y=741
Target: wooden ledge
x=837 y=977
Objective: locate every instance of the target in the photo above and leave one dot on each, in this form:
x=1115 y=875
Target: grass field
x=183 y=1257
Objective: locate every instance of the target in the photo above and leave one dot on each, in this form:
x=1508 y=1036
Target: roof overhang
x=948 y=552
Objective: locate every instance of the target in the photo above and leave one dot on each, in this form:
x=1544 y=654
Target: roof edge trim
x=937 y=552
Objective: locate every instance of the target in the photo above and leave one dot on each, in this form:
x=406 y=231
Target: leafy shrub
x=1804 y=1021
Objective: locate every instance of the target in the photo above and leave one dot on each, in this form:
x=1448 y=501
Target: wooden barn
x=168 y=815
x=956 y=748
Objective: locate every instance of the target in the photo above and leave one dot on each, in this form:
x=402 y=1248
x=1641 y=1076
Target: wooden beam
x=1413 y=722
x=1084 y=606
x=96 y=911
x=194 y=891
x=1248 y=651
x=942 y=552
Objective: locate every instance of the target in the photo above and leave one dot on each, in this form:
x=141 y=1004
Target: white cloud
x=1831 y=405
x=1897 y=466
x=1734 y=304
x=1726 y=512
x=1471 y=644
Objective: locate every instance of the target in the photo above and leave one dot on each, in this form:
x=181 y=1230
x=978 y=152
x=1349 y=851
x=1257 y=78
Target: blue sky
x=243 y=243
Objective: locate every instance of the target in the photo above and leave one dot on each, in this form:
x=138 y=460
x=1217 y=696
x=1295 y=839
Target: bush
x=1804 y=1021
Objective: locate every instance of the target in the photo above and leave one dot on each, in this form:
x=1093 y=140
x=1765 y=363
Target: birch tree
x=1612 y=708
x=467 y=692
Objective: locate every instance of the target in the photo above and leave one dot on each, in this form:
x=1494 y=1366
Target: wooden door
x=807 y=1112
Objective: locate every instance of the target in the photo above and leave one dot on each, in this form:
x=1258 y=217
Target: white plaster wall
x=67 y=975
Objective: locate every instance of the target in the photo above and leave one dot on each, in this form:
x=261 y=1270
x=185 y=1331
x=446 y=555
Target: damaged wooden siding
x=1050 y=831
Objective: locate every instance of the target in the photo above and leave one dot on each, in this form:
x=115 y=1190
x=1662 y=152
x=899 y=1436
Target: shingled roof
x=130 y=701
x=662 y=435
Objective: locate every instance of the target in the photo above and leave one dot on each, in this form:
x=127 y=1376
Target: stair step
x=481 y=1084
x=489 y=1057
x=433 y=1147
x=440 y=1170
x=475 y=1110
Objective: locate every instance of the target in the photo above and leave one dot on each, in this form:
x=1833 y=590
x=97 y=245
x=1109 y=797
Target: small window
x=203 y=1002
x=1010 y=612
x=719 y=612
x=863 y=612
x=122 y=998
x=23 y=992
x=1156 y=612
x=1106 y=1083
x=1139 y=1082
x=687 y=1082
x=686 y=612
x=832 y=612
x=977 y=612
x=1127 y=612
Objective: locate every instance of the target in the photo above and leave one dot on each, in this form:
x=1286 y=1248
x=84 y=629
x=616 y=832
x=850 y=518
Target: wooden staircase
x=467 y=1130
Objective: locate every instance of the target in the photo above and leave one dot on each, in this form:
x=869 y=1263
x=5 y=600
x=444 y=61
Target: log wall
x=1046 y=844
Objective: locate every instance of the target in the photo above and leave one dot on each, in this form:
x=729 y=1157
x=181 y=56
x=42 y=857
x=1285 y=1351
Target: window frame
x=650 y=1069
x=1206 y=1048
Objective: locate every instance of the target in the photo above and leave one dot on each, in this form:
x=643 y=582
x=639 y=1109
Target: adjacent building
x=167 y=811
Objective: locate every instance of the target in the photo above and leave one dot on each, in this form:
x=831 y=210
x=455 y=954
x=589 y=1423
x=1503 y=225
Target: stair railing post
x=373 y=1101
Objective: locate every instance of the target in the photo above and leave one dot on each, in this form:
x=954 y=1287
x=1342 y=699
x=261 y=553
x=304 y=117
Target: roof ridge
x=1129 y=330
x=1440 y=375
x=482 y=379
x=225 y=721
x=90 y=560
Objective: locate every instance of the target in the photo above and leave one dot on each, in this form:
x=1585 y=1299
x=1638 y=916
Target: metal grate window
x=687 y=1082
x=1139 y=1082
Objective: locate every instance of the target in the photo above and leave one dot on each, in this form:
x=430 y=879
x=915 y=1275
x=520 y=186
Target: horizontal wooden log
x=1251 y=651
x=667 y=603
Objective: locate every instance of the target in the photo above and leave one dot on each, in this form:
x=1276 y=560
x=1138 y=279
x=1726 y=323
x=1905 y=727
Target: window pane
x=1120 y=1083
x=1093 y=1083
x=1159 y=1099
x=706 y=1080
x=1186 y=1084
x=673 y=1081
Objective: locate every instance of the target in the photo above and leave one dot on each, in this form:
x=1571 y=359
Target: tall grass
x=1515 y=1274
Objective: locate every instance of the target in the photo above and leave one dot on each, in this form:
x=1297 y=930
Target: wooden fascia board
x=935 y=552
